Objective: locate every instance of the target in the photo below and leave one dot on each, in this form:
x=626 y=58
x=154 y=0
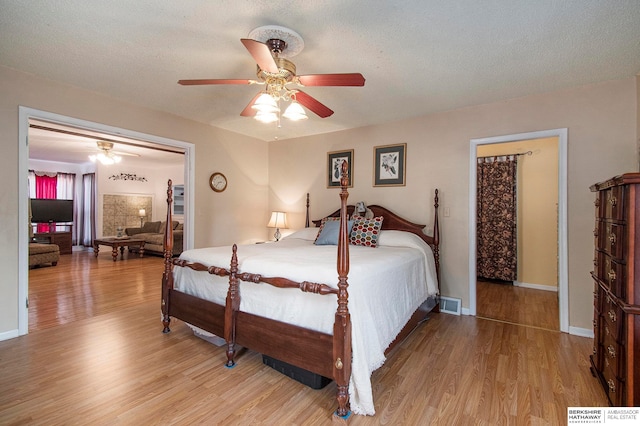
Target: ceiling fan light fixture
x=266 y=104
x=295 y=112
x=105 y=156
x=266 y=117
x=106 y=159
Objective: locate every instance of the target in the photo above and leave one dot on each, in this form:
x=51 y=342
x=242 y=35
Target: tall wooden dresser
x=616 y=319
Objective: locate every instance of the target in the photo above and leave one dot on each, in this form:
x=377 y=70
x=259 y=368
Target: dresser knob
x=613 y=201
x=612 y=351
x=612 y=316
x=612 y=238
x=612 y=385
x=612 y=275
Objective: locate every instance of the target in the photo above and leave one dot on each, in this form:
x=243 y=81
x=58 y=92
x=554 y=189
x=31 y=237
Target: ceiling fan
x=106 y=155
x=271 y=46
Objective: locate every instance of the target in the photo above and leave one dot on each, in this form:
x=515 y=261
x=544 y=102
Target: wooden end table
x=116 y=243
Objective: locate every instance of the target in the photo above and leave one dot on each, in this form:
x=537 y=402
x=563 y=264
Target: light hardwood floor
x=518 y=305
x=109 y=363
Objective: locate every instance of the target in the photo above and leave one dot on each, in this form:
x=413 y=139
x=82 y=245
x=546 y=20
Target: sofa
x=42 y=254
x=153 y=235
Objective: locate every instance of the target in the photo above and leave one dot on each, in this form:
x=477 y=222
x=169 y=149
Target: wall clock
x=218 y=182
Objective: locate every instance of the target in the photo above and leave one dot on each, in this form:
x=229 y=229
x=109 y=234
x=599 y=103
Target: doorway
x=27 y=114
x=562 y=275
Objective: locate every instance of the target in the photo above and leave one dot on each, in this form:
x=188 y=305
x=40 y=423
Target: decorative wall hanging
x=128 y=176
x=334 y=167
x=389 y=165
x=123 y=211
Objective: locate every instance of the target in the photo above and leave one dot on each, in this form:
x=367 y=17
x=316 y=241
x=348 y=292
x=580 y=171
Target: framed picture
x=334 y=167
x=389 y=165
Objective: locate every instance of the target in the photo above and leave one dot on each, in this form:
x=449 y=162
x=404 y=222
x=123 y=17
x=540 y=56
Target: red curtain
x=46 y=187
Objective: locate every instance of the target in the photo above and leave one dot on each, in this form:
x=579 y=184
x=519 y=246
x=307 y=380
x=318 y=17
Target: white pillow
x=308 y=234
x=401 y=239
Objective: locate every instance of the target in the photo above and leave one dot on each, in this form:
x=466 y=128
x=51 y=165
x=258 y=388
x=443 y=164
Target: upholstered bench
x=40 y=254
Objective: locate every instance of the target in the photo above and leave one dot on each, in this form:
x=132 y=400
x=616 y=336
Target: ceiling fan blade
x=214 y=81
x=248 y=111
x=353 y=79
x=313 y=105
x=261 y=54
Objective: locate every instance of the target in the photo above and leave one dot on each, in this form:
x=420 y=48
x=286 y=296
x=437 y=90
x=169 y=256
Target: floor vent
x=450 y=305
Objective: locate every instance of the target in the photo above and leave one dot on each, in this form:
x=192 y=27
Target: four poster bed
x=280 y=299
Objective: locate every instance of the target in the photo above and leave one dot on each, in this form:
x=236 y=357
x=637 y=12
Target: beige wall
x=601 y=122
x=537 y=208
x=237 y=215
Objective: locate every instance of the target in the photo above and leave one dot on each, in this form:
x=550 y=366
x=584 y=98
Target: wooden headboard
x=394 y=222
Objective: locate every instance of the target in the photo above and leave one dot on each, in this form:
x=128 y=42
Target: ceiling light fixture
x=295 y=112
x=105 y=156
x=267 y=108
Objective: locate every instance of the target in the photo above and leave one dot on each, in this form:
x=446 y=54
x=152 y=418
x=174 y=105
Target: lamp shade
x=266 y=117
x=295 y=112
x=106 y=159
x=265 y=103
x=278 y=220
x=142 y=213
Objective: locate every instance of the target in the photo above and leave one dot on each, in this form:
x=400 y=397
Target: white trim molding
x=26 y=113
x=563 y=269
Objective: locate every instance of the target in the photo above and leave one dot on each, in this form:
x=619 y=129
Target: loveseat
x=153 y=235
x=41 y=254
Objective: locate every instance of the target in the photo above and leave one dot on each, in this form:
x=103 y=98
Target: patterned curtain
x=496 y=221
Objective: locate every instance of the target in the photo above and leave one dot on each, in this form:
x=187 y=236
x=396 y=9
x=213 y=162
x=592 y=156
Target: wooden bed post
x=436 y=237
x=167 y=275
x=306 y=222
x=342 y=324
x=231 y=308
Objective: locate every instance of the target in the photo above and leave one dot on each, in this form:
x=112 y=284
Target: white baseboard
x=535 y=286
x=11 y=334
x=583 y=332
x=465 y=311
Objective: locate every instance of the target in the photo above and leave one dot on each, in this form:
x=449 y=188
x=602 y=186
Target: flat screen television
x=47 y=211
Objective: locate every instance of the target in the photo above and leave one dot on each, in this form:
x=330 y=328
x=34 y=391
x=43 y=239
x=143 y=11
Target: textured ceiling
x=418 y=56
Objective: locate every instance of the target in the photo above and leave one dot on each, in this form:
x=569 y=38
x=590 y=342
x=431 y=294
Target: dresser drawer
x=613 y=356
x=602 y=264
x=597 y=299
x=612 y=203
x=614 y=319
x=614 y=275
x=614 y=387
x=611 y=239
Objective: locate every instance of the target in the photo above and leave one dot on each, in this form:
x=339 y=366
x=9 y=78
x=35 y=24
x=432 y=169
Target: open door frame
x=563 y=270
x=24 y=115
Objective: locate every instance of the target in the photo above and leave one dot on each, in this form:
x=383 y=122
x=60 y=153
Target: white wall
x=154 y=185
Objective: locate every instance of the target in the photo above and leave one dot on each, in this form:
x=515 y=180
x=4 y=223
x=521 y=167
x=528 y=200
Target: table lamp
x=278 y=220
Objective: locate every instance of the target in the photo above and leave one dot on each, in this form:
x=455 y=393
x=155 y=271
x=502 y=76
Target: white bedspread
x=386 y=285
